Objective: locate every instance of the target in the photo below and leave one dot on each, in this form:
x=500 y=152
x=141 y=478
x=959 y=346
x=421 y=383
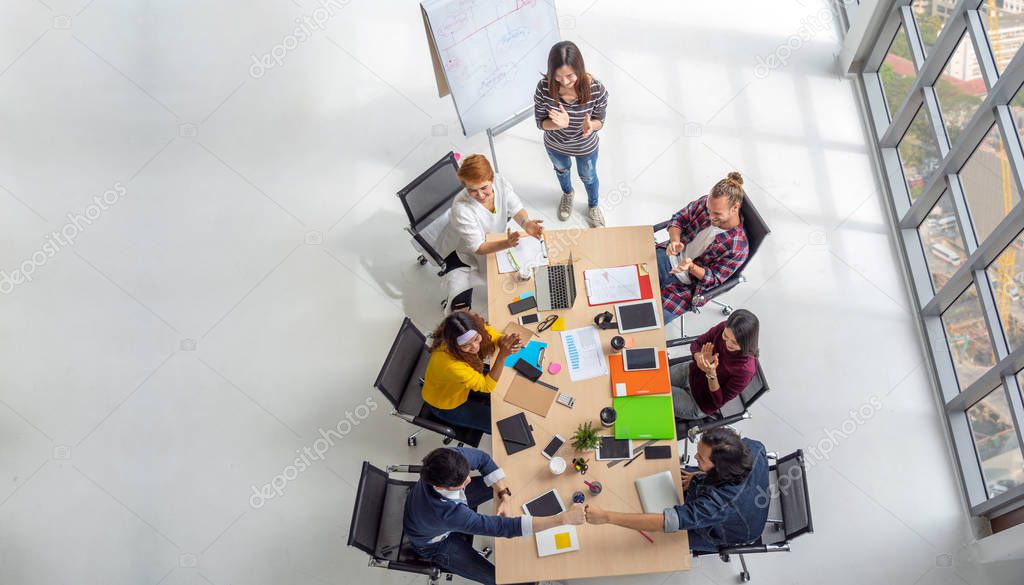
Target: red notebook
x=639 y=383
x=646 y=292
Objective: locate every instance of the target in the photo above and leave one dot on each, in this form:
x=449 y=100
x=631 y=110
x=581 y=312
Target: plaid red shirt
x=721 y=260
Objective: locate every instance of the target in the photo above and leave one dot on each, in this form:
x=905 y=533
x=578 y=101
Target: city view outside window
x=963 y=218
x=943 y=242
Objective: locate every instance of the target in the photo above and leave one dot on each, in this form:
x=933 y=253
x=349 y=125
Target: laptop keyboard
x=559 y=288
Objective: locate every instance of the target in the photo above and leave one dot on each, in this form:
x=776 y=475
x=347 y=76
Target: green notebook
x=644 y=417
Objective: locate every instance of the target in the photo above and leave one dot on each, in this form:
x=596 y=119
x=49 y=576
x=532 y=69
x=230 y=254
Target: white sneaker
x=565 y=206
x=595 y=217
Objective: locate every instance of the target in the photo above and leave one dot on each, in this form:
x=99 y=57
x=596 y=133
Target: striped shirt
x=570 y=140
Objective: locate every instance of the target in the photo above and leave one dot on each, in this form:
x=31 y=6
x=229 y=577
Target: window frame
x=908 y=216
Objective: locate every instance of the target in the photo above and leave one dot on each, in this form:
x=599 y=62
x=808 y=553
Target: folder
x=646 y=290
x=644 y=417
x=640 y=382
x=530 y=396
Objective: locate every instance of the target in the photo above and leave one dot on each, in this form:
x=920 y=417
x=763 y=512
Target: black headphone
x=604 y=321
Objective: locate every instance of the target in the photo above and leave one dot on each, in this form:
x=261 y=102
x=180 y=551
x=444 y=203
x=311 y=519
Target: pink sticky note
x=629 y=341
x=554 y=368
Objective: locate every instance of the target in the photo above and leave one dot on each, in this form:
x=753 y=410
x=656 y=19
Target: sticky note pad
x=563 y=540
x=629 y=341
x=558 y=325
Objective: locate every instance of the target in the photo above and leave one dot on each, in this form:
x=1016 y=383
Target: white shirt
x=695 y=248
x=471 y=221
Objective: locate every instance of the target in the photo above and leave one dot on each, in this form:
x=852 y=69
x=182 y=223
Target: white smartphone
x=529 y=319
x=556 y=443
x=640 y=358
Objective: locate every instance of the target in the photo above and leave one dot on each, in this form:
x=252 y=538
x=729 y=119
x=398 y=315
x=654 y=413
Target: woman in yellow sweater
x=457 y=384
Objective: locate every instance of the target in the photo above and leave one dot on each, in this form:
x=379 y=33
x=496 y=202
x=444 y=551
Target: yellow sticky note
x=642 y=269
x=558 y=325
x=563 y=540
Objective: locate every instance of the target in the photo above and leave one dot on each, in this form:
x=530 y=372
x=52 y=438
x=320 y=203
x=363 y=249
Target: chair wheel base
x=446 y=441
x=411 y=441
x=422 y=260
x=726 y=310
x=744 y=577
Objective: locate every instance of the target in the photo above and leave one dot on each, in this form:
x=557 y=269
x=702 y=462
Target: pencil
x=635 y=457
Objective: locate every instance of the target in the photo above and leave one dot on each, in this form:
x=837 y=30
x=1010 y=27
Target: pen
x=514 y=263
x=635 y=457
x=649 y=539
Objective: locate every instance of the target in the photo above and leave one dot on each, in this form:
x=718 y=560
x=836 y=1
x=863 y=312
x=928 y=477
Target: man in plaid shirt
x=706 y=246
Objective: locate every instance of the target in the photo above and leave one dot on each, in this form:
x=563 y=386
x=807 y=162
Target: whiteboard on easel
x=489 y=54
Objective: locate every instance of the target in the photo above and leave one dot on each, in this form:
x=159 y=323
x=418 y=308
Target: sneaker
x=565 y=206
x=595 y=217
x=551 y=583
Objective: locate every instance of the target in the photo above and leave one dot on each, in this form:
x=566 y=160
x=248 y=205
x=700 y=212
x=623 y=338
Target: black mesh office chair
x=427 y=201
x=756 y=229
x=401 y=379
x=378 y=522
x=732 y=412
x=789 y=512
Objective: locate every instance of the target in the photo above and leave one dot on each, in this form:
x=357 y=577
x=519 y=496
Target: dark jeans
x=665 y=278
x=474 y=413
x=586 y=166
x=456 y=554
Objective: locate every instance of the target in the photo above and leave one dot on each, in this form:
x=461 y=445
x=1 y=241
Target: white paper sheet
x=529 y=253
x=557 y=540
x=612 y=285
x=583 y=353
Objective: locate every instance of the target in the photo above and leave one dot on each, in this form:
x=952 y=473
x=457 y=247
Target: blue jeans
x=474 y=413
x=586 y=166
x=664 y=269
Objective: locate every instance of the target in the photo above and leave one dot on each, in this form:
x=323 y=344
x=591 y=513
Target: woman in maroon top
x=724 y=362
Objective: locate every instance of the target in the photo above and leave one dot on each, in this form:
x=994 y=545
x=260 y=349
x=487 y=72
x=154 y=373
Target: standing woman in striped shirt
x=570 y=107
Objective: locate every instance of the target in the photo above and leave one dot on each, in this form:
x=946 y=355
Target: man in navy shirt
x=441 y=517
x=725 y=500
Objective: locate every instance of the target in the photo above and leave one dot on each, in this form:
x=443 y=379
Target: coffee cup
x=608 y=416
x=557 y=465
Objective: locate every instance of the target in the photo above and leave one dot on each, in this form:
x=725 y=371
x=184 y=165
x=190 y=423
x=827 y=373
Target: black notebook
x=515 y=433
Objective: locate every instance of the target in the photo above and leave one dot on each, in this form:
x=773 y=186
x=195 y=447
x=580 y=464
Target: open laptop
x=556 y=286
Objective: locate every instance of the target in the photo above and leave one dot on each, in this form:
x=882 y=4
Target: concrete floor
x=241 y=292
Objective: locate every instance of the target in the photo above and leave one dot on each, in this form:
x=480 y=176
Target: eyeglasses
x=546 y=323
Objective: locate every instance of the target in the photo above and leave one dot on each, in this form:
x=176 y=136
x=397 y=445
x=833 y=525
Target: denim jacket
x=726 y=514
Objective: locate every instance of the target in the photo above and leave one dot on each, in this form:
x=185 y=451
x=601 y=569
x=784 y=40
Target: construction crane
x=1007 y=262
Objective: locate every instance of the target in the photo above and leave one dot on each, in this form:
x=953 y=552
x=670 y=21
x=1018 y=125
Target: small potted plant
x=586 y=438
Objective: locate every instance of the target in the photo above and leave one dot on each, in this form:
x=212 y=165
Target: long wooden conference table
x=605 y=550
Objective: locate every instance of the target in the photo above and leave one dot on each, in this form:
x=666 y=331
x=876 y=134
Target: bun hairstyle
x=446 y=335
x=475 y=169
x=732 y=187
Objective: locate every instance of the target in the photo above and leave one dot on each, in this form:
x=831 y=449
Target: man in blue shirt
x=441 y=517
x=726 y=501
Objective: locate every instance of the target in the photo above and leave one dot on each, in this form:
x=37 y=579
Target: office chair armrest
x=680 y=341
x=404 y=468
x=723 y=422
x=660 y=226
x=721 y=289
x=749 y=549
x=433 y=426
x=772 y=455
x=430 y=570
x=426 y=247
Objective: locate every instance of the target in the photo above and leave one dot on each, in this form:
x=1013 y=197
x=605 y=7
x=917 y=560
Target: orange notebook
x=641 y=382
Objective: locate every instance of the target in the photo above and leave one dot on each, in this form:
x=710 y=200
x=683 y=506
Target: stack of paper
x=528 y=254
x=612 y=285
x=584 y=354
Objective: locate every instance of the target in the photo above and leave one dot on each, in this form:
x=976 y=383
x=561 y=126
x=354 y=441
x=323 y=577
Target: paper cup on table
x=556 y=465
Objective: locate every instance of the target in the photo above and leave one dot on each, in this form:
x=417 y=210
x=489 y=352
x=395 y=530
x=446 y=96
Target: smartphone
x=658 y=452
x=641 y=358
x=522 y=305
x=529 y=319
x=553 y=447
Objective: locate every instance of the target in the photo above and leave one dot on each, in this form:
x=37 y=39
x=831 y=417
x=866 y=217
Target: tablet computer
x=547 y=504
x=612 y=449
x=637 y=316
x=640 y=358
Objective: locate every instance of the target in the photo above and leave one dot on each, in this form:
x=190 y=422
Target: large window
x=944 y=82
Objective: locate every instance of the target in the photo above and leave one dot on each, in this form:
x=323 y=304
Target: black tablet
x=546 y=504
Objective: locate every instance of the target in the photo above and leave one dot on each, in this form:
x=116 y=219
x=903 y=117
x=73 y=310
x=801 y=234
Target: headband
x=466 y=337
